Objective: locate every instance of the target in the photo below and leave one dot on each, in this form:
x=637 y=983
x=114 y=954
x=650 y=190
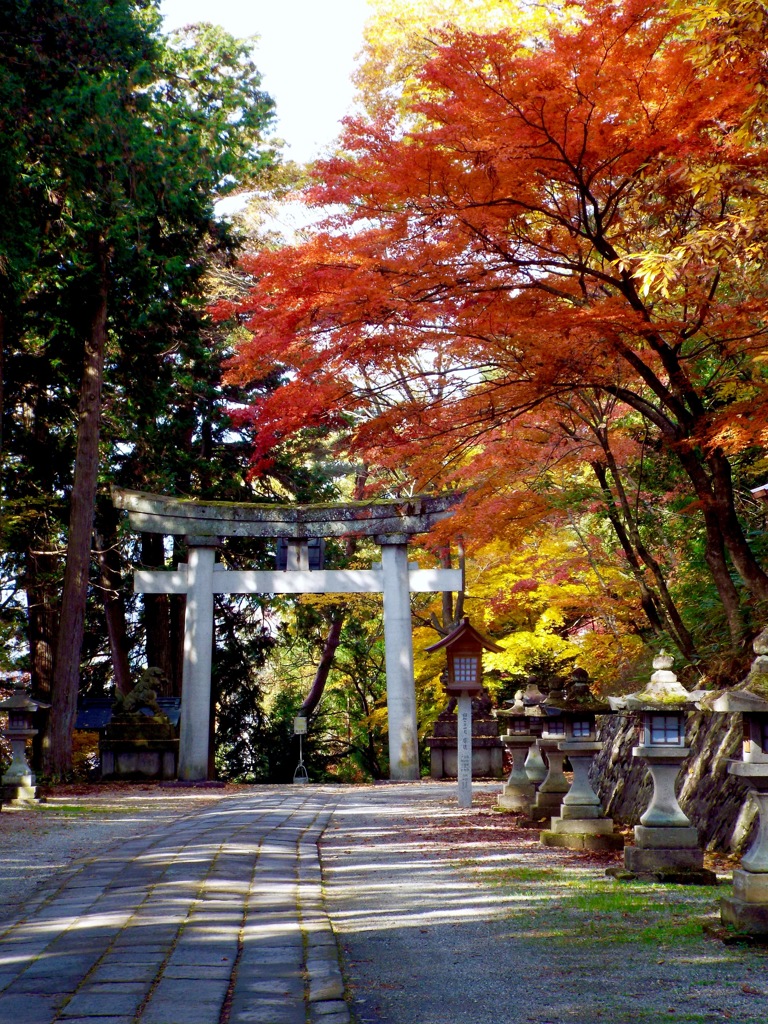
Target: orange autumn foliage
x=478 y=271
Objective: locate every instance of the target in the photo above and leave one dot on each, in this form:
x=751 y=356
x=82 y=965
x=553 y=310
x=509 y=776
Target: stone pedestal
x=518 y=792
x=487 y=751
x=535 y=765
x=554 y=787
x=666 y=844
x=139 y=749
x=18 y=782
x=747 y=909
x=581 y=824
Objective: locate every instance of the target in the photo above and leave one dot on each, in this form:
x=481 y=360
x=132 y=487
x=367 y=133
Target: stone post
x=555 y=785
x=398 y=639
x=464 y=750
x=198 y=649
x=519 y=791
x=535 y=767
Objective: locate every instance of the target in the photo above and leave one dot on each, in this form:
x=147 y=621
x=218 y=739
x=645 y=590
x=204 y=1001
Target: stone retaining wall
x=715 y=801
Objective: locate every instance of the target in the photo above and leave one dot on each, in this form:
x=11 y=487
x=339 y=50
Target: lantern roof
x=664 y=693
x=517 y=708
x=752 y=694
x=577 y=698
x=465 y=634
x=20 y=699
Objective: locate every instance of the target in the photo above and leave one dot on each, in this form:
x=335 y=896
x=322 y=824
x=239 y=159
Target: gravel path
x=449 y=917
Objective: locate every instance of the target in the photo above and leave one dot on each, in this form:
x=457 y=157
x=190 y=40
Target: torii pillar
x=398 y=660
x=198 y=654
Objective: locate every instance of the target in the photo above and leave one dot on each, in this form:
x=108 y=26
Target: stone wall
x=715 y=801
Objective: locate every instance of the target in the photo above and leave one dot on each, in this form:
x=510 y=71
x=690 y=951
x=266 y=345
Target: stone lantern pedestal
x=519 y=791
x=554 y=787
x=666 y=843
x=747 y=909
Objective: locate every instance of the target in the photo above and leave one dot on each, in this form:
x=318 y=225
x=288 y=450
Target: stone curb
x=325 y=983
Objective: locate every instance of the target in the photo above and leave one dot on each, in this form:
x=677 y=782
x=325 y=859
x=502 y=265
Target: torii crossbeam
x=390 y=523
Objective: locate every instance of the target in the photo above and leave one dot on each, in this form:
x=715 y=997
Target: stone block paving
x=216 y=918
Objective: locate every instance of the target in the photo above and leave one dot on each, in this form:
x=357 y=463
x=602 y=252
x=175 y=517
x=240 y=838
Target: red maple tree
x=478 y=271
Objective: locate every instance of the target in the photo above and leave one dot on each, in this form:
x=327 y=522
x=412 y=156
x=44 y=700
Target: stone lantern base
x=19 y=792
x=747 y=909
x=581 y=833
x=669 y=854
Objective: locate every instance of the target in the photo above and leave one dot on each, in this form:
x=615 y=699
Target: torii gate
x=390 y=523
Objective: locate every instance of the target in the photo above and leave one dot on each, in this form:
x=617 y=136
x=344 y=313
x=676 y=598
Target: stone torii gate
x=390 y=523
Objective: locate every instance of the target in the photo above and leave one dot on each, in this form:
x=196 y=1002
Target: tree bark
x=2 y=381
x=672 y=620
x=323 y=669
x=648 y=599
x=41 y=586
x=66 y=677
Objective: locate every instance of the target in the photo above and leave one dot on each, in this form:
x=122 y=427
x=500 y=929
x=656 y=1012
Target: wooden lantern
x=464 y=649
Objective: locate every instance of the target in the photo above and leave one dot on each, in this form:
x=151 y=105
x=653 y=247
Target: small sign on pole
x=300 y=729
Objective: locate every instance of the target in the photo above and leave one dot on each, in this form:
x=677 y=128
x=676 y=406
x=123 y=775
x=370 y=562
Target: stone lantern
x=555 y=785
x=747 y=909
x=582 y=824
x=18 y=781
x=464 y=649
x=519 y=790
x=666 y=843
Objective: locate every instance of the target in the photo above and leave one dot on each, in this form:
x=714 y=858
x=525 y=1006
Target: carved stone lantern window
x=582 y=728
x=554 y=728
x=663 y=730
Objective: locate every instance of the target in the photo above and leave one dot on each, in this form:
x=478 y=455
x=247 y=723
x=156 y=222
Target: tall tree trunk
x=648 y=599
x=672 y=619
x=716 y=519
x=112 y=599
x=66 y=677
x=326 y=663
x=41 y=586
x=157 y=614
x=2 y=381
x=742 y=555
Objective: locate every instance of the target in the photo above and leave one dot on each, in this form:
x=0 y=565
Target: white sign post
x=464 y=752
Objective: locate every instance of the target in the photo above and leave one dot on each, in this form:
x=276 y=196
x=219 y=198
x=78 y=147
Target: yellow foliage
x=400 y=36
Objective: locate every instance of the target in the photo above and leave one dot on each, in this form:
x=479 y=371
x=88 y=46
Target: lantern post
x=18 y=782
x=666 y=843
x=464 y=650
x=519 y=790
x=582 y=824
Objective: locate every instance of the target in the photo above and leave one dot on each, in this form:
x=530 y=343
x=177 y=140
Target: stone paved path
x=214 y=919
x=223 y=916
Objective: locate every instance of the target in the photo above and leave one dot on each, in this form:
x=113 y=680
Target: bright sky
x=306 y=54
